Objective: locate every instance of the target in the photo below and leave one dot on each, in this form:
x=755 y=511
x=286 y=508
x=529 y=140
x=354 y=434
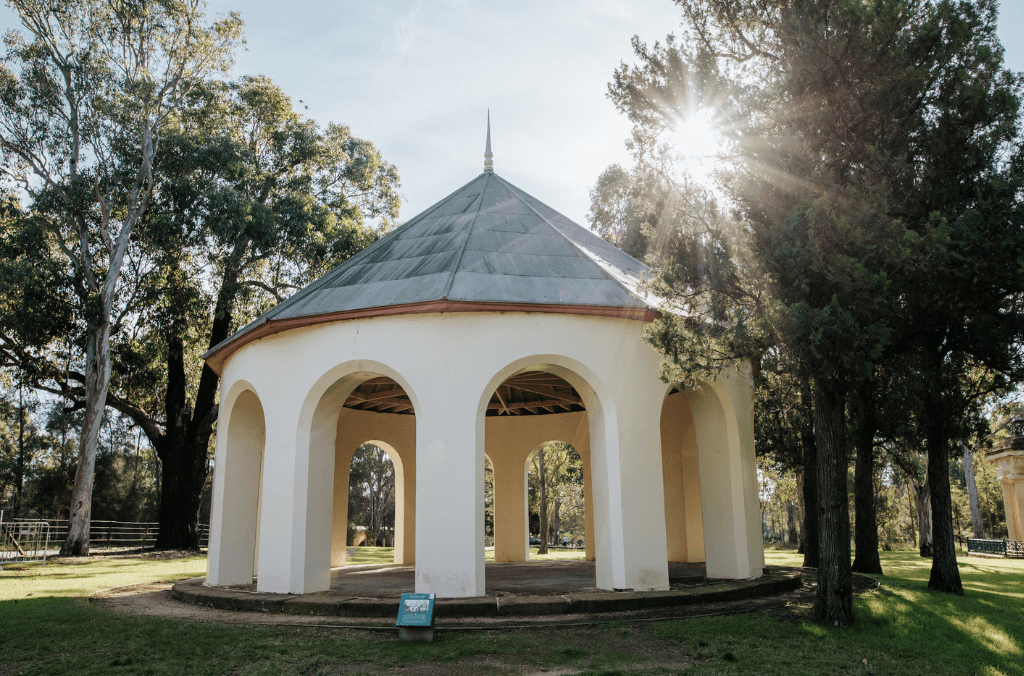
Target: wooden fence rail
x=116 y=534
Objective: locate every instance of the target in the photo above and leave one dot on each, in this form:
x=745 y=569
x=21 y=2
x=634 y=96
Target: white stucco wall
x=450 y=364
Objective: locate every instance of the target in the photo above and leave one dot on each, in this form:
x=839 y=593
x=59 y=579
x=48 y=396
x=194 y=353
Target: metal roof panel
x=487 y=242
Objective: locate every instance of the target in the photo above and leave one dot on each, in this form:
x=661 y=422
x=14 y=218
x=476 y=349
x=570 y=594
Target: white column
x=449 y=492
x=629 y=508
x=236 y=480
x=298 y=486
x=606 y=482
x=643 y=497
x=339 y=520
x=588 y=501
x=510 y=505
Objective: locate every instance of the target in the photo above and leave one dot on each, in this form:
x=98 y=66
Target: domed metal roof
x=488 y=246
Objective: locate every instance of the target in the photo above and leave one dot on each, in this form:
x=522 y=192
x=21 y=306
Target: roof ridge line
x=469 y=233
x=561 y=234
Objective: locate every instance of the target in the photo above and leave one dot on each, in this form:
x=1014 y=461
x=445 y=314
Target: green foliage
x=555 y=491
x=371 y=494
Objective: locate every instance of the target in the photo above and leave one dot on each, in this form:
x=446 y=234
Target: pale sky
x=416 y=78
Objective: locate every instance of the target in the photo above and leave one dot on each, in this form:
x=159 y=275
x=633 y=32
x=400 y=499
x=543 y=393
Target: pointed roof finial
x=488 y=155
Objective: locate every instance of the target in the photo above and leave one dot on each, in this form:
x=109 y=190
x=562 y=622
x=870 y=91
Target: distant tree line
x=37 y=464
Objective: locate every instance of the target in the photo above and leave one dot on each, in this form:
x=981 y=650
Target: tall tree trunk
x=833 y=603
x=945 y=575
x=543 y=503
x=556 y=522
x=923 y=508
x=803 y=508
x=791 y=534
x=184 y=446
x=865 y=519
x=19 y=488
x=810 y=489
x=97 y=381
x=977 y=524
x=939 y=389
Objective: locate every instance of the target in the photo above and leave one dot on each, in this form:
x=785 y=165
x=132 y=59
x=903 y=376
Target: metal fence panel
x=23 y=540
x=111 y=534
x=1014 y=550
x=1007 y=548
x=979 y=546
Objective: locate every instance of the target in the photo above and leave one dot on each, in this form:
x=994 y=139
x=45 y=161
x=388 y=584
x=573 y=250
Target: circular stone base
x=523 y=590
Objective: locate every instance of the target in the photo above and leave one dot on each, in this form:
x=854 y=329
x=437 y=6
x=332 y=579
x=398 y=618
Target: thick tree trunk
x=977 y=524
x=945 y=575
x=182 y=481
x=97 y=381
x=865 y=518
x=184 y=445
x=833 y=604
x=811 y=547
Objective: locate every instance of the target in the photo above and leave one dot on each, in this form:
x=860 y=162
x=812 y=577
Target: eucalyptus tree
x=85 y=89
x=371 y=492
x=252 y=201
x=553 y=467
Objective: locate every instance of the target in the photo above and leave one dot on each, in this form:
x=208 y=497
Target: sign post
x=416 y=617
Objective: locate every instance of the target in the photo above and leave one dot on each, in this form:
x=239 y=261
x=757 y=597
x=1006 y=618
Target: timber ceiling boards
x=528 y=393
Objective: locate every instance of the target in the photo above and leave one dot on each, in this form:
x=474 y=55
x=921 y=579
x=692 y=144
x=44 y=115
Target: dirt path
x=154 y=600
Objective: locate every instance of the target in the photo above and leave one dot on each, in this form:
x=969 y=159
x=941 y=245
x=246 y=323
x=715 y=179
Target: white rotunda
x=488 y=324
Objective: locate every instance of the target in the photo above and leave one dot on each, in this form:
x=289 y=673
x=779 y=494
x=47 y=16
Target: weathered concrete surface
x=513 y=590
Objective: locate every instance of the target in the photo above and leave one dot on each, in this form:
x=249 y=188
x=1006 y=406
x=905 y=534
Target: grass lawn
x=47 y=627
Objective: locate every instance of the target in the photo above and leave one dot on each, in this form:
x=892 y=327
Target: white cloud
x=407 y=28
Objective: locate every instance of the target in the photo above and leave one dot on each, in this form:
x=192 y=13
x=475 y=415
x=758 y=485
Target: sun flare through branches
x=696 y=141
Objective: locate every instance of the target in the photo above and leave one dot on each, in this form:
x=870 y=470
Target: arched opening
x=238 y=470
x=556 y=499
x=307 y=491
x=684 y=527
x=374 y=469
x=710 y=480
x=525 y=413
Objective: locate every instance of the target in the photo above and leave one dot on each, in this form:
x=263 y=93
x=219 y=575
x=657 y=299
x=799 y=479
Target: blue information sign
x=416 y=610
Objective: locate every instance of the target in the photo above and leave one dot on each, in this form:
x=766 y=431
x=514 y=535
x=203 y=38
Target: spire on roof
x=488 y=155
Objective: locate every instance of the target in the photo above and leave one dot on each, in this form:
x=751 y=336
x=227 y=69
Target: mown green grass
x=81 y=577
x=361 y=556
x=47 y=627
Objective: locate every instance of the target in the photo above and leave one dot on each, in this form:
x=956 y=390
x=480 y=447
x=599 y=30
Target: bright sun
x=698 y=144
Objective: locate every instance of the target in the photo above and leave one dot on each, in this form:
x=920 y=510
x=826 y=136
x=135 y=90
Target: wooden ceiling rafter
x=527 y=393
